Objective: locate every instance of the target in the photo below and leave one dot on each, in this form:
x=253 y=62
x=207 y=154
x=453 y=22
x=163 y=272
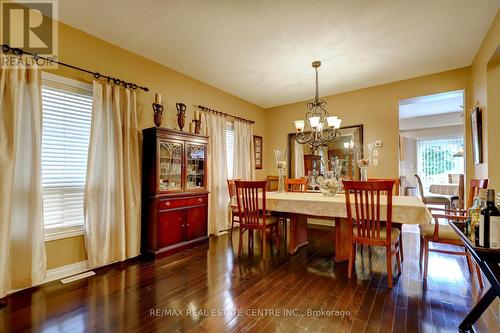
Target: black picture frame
x=477 y=135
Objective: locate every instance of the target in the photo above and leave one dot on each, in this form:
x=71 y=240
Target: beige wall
x=86 y=51
x=493 y=119
x=479 y=93
x=377 y=108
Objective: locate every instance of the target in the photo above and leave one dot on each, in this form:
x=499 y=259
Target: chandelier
x=323 y=127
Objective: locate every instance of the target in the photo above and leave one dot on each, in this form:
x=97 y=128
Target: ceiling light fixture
x=323 y=127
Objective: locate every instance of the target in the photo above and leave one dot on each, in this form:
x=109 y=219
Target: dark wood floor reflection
x=201 y=290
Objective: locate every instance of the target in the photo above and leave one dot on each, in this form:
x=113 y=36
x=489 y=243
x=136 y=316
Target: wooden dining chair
x=474 y=186
x=395 y=191
x=272 y=183
x=396 y=188
x=296 y=184
x=252 y=213
x=444 y=234
x=434 y=199
x=366 y=223
x=231 y=187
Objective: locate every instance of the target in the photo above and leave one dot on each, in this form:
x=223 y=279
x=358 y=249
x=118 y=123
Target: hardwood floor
x=203 y=289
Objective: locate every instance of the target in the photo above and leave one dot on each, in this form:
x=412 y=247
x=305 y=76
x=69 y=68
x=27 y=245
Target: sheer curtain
x=299 y=159
x=112 y=189
x=244 y=163
x=215 y=129
x=22 y=244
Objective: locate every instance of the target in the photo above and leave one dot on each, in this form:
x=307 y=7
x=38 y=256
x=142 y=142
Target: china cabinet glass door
x=170 y=166
x=195 y=166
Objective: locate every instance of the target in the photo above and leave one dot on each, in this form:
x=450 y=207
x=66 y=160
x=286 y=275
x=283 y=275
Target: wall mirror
x=302 y=161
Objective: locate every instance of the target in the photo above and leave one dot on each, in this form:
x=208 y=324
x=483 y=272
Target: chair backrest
x=251 y=209
x=296 y=184
x=454 y=178
x=367 y=209
x=396 y=183
x=420 y=188
x=474 y=187
x=231 y=188
x=272 y=183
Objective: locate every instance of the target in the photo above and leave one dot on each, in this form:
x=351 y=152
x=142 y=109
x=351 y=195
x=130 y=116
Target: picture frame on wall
x=477 y=135
x=258 y=152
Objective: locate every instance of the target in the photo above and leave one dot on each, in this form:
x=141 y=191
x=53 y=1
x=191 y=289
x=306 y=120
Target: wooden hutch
x=174 y=191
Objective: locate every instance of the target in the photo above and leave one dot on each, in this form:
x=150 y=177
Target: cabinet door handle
x=200 y=199
x=167 y=203
x=187 y=225
x=183 y=225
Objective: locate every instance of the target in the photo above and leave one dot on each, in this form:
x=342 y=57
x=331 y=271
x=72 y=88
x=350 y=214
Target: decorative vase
x=181 y=114
x=157 y=114
x=281 y=162
x=329 y=186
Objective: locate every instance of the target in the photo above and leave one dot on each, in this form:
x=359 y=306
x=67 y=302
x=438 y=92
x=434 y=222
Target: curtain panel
x=22 y=244
x=244 y=162
x=112 y=191
x=218 y=203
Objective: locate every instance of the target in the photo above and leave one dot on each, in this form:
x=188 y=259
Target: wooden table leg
x=477 y=311
x=342 y=240
x=298 y=232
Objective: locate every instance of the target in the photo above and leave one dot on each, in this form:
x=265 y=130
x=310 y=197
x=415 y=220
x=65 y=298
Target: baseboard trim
x=65 y=271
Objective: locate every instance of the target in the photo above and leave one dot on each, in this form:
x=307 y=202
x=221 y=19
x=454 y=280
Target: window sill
x=56 y=233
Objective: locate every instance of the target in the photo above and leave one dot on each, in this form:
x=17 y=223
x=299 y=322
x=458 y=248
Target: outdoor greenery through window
x=436 y=158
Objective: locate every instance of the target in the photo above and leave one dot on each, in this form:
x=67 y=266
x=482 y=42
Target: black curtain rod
x=204 y=108
x=20 y=52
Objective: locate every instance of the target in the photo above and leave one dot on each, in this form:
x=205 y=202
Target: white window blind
x=229 y=148
x=435 y=159
x=67 y=112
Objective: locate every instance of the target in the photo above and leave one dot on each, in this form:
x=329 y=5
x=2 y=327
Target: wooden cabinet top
x=171 y=133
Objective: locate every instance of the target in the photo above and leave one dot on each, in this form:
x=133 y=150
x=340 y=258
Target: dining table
x=299 y=206
x=445 y=189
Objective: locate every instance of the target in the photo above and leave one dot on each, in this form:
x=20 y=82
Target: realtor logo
x=30 y=25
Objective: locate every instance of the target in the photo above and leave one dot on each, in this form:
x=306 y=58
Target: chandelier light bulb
x=299 y=125
x=314 y=121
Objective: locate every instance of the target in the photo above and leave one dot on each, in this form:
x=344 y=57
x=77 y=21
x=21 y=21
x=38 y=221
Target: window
x=435 y=159
x=67 y=112
x=229 y=148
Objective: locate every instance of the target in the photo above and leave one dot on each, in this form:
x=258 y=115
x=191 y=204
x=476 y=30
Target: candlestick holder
x=157 y=114
x=181 y=115
x=197 y=126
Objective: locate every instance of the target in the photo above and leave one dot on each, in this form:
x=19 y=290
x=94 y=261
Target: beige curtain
x=112 y=189
x=244 y=162
x=215 y=129
x=22 y=245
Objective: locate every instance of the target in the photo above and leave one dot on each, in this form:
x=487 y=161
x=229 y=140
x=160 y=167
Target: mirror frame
x=290 y=137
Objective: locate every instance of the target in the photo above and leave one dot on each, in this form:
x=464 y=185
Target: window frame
x=61 y=82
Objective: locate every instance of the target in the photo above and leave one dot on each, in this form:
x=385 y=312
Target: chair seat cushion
x=444 y=232
x=383 y=233
x=438 y=198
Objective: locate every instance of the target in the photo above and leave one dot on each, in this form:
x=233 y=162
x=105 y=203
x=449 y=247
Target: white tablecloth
x=407 y=210
x=444 y=189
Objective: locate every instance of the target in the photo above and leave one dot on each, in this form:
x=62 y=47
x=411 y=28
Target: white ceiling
x=262 y=51
x=449 y=102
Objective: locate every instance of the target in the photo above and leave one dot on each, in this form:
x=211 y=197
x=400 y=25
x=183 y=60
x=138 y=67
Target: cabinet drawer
x=182 y=202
